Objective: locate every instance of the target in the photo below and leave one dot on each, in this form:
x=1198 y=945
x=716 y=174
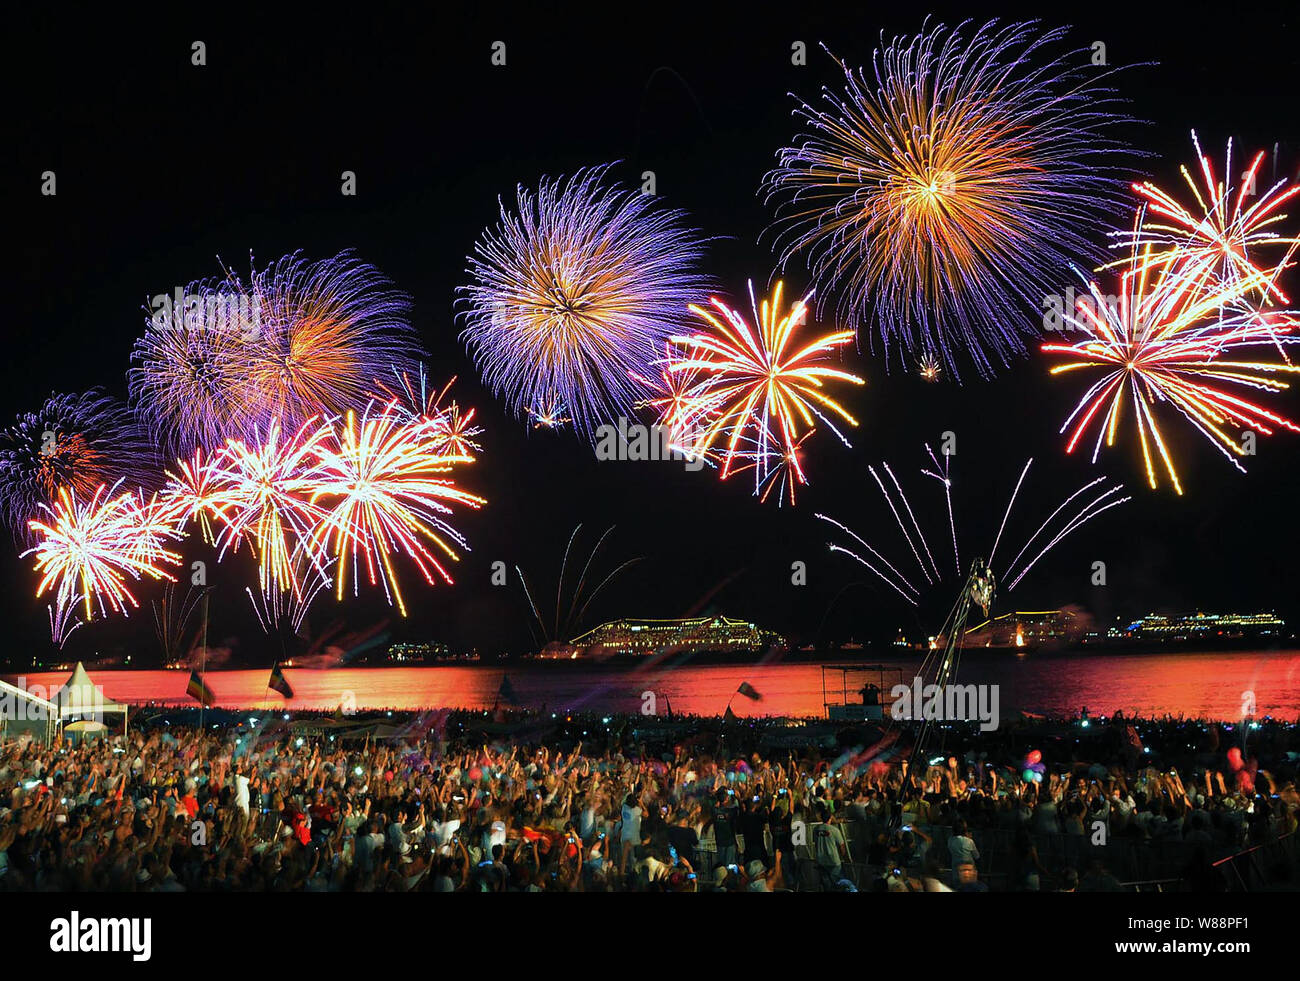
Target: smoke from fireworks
x=573 y=293
x=73 y=442
x=938 y=194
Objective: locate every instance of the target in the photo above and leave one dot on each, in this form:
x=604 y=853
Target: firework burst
x=387 y=486
x=1221 y=236
x=1076 y=510
x=64 y=620
x=73 y=442
x=937 y=195
x=454 y=428
x=330 y=329
x=672 y=401
x=192 y=379
x=300 y=338
x=261 y=492
x=929 y=368
x=90 y=551
x=757 y=389
x=312 y=574
x=549 y=415
x=191 y=493
x=574 y=293
x=1163 y=340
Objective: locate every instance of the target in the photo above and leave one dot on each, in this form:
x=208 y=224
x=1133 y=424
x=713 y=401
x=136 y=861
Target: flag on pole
x=749 y=691
x=199 y=690
x=279 y=683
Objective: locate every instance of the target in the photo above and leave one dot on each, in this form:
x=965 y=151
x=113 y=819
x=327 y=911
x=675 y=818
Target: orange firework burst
x=1163 y=340
x=756 y=392
x=94 y=548
x=326 y=326
x=939 y=191
x=389 y=491
x=929 y=368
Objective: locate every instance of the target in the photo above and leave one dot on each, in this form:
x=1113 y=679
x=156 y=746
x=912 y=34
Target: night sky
x=162 y=167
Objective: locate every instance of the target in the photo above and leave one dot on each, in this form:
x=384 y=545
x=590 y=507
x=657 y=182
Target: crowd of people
x=445 y=809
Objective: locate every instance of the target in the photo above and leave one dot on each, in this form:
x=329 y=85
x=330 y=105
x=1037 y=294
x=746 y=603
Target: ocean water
x=1211 y=685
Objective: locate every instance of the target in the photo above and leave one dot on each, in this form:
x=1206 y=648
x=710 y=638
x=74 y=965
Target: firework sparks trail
x=575 y=292
x=288 y=605
x=902 y=527
x=757 y=389
x=939 y=191
x=563 y=629
x=945 y=479
x=903 y=587
x=1015 y=571
x=1059 y=508
x=1005 y=514
x=387 y=482
x=1090 y=511
x=64 y=620
x=90 y=551
x=907 y=505
x=1165 y=341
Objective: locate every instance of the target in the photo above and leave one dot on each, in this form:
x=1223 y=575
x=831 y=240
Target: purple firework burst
x=575 y=294
x=78 y=442
x=300 y=338
x=939 y=197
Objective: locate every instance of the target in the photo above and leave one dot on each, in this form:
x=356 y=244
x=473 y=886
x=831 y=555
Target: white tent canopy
x=81 y=698
x=22 y=711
